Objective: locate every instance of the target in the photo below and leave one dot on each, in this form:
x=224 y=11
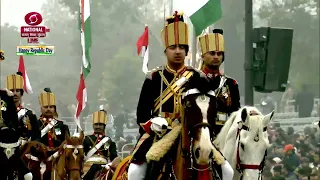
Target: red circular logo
x=33 y=18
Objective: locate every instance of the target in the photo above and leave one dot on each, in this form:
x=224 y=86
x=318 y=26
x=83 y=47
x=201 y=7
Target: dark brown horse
x=37 y=157
x=69 y=163
x=193 y=155
x=196 y=157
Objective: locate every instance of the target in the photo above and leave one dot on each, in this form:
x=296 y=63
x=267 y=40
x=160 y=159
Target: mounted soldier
x=12 y=166
x=161 y=93
x=99 y=149
x=28 y=125
x=213 y=55
x=53 y=130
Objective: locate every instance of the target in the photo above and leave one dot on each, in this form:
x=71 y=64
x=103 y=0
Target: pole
x=171 y=8
x=248 y=54
x=194 y=49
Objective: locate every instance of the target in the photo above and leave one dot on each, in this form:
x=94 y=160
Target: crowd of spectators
x=293 y=156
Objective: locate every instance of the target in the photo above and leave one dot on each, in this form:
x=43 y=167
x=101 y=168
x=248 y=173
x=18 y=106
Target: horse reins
x=240 y=167
x=191 y=132
x=73 y=168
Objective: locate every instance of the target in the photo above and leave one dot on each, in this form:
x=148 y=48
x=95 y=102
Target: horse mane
x=221 y=138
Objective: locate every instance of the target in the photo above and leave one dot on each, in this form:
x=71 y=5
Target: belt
x=170 y=117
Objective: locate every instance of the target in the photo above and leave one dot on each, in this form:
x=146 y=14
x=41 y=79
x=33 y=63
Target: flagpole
x=194 y=48
x=80 y=52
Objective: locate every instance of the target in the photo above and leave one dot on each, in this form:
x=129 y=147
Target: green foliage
x=122 y=80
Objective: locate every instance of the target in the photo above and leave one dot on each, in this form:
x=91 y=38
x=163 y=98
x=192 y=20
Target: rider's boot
x=137 y=171
x=227 y=171
x=28 y=176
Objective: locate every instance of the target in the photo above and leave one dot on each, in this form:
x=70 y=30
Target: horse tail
x=221 y=138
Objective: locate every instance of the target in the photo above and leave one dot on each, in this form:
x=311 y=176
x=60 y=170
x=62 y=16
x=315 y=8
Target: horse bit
x=240 y=167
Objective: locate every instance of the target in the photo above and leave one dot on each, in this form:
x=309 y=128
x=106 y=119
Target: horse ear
x=267 y=118
x=244 y=115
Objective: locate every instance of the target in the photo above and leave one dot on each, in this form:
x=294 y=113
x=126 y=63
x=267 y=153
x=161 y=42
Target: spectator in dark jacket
x=291 y=160
x=304 y=102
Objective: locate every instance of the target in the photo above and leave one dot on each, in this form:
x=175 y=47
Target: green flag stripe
x=207 y=15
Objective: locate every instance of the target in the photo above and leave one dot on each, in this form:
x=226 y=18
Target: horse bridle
x=75 y=152
x=198 y=125
x=239 y=166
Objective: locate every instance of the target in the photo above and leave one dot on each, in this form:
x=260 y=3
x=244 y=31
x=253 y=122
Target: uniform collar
x=99 y=135
x=180 y=71
x=46 y=119
x=19 y=107
x=210 y=74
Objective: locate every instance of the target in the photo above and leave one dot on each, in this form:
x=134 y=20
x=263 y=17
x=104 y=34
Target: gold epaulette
x=150 y=73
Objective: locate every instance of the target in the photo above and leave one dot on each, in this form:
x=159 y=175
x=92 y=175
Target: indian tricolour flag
x=85 y=29
x=202 y=13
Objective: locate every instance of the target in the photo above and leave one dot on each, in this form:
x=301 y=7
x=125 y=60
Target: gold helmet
x=212 y=42
x=47 y=98
x=175 y=32
x=100 y=117
x=15 y=81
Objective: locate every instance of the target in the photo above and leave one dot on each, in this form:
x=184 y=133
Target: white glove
x=159 y=126
x=107 y=166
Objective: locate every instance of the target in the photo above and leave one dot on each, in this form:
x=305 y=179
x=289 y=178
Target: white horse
x=244 y=142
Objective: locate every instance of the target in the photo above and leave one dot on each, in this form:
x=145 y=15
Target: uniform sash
x=96 y=147
x=169 y=91
x=49 y=126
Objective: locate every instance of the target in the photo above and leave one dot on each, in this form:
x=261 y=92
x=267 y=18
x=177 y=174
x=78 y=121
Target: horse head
x=70 y=161
x=200 y=114
x=249 y=140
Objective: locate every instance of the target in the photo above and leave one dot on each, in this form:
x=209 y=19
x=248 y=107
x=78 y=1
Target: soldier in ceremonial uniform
x=13 y=167
x=98 y=148
x=53 y=130
x=28 y=125
x=213 y=55
x=175 y=40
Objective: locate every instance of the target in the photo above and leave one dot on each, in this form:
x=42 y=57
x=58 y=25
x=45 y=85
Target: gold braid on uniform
x=28 y=123
x=2 y=104
x=229 y=96
x=176 y=95
x=160 y=148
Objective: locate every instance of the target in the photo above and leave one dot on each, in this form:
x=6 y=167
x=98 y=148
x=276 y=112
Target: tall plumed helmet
x=212 y=42
x=47 y=98
x=175 y=31
x=15 y=81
